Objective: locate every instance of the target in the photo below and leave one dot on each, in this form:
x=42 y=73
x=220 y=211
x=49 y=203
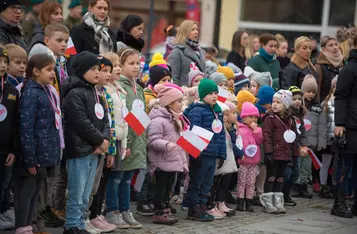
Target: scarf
x=12 y=25
x=130 y=41
x=182 y=122
x=266 y=56
x=101 y=34
x=193 y=44
x=335 y=61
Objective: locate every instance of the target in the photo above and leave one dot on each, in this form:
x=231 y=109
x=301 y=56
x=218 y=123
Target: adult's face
x=244 y=40
x=305 y=50
x=270 y=47
x=57 y=16
x=137 y=31
x=100 y=10
x=332 y=47
x=282 y=50
x=13 y=14
x=194 y=33
x=76 y=12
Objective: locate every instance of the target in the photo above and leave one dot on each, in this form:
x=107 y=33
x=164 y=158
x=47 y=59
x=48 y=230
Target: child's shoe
x=279 y=202
x=197 y=214
x=267 y=202
x=164 y=217
x=129 y=219
x=224 y=209
x=116 y=218
x=102 y=224
x=249 y=205
x=240 y=204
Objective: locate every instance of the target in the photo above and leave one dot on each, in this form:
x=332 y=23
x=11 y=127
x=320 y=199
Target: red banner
x=193 y=10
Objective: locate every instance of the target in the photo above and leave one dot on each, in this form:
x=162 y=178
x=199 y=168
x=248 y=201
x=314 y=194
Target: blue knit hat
x=265 y=95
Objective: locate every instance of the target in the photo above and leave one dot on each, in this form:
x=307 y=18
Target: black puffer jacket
x=83 y=131
x=10 y=33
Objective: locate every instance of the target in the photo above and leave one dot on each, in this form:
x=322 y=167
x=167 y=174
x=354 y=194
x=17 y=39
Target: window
x=342 y=12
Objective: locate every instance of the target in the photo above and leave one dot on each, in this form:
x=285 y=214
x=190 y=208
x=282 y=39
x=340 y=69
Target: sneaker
x=116 y=218
x=288 y=201
x=164 y=217
x=10 y=214
x=196 y=213
x=215 y=213
x=144 y=210
x=5 y=223
x=224 y=209
x=129 y=219
x=61 y=214
x=102 y=224
x=51 y=220
x=90 y=228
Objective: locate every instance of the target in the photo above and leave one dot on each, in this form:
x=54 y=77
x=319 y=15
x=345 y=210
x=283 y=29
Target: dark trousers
x=164 y=182
x=177 y=187
x=59 y=188
x=5 y=178
x=98 y=198
x=291 y=176
x=345 y=163
x=219 y=189
x=275 y=176
x=145 y=196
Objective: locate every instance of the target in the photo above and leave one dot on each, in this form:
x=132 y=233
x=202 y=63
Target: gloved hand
x=220 y=162
x=195 y=162
x=268 y=158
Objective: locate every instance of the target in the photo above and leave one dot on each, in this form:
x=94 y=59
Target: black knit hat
x=6 y=3
x=83 y=62
x=130 y=22
x=156 y=73
x=3 y=53
x=105 y=62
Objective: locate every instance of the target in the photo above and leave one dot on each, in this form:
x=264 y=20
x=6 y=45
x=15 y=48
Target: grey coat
x=317 y=135
x=180 y=60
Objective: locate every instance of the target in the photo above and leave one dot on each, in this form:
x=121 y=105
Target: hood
x=322 y=59
x=129 y=40
x=74 y=82
x=353 y=55
x=159 y=111
x=11 y=28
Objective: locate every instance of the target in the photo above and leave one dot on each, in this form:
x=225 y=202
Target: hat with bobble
x=226 y=71
x=156 y=73
x=265 y=95
x=168 y=93
x=245 y=96
x=217 y=77
x=262 y=78
x=249 y=109
x=295 y=90
x=223 y=106
x=231 y=105
x=309 y=84
x=239 y=82
x=285 y=96
x=206 y=87
x=158 y=59
x=192 y=75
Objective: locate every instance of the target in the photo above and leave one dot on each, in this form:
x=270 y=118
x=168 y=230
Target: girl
x=280 y=146
x=229 y=74
x=219 y=79
x=257 y=80
x=194 y=78
x=166 y=158
x=40 y=142
x=249 y=139
x=136 y=145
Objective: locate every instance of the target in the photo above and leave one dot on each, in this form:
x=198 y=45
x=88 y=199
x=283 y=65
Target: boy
x=9 y=98
x=17 y=65
x=229 y=74
x=208 y=115
x=86 y=136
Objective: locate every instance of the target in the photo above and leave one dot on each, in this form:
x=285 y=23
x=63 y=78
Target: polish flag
x=315 y=161
x=139 y=180
x=191 y=143
x=138 y=120
x=223 y=95
x=203 y=133
x=71 y=50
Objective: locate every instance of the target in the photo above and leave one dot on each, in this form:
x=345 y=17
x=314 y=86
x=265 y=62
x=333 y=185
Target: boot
x=267 y=201
x=163 y=217
x=325 y=192
x=256 y=201
x=279 y=202
x=197 y=214
x=339 y=207
x=288 y=201
x=354 y=207
x=249 y=205
x=240 y=204
x=295 y=191
x=303 y=191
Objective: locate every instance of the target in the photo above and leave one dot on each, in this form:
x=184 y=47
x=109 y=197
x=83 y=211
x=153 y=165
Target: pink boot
x=215 y=213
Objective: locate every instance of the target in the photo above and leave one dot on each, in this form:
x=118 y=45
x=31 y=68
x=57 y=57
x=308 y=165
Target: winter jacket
x=325 y=73
x=70 y=22
x=274 y=142
x=249 y=137
x=83 y=39
x=9 y=126
x=39 y=137
x=136 y=144
x=201 y=114
x=235 y=58
x=299 y=116
x=150 y=96
x=10 y=33
x=283 y=61
x=330 y=120
x=259 y=64
x=180 y=60
x=161 y=132
x=317 y=135
x=83 y=131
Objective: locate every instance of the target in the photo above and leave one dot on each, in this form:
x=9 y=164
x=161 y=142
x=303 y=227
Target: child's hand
x=104 y=146
x=98 y=151
x=243 y=158
x=303 y=151
x=253 y=126
x=10 y=160
x=110 y=161
x=32 y=170
x=171 y=146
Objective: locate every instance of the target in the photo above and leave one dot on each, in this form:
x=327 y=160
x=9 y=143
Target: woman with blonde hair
x=253 y=46
x=187 y=53
x=299 y=66
x=282 y=51
x=344 y=36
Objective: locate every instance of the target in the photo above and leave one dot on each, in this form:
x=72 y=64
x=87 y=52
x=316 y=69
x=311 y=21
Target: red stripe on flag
x=134 y=123
x=222 y=99
x=188 y=147
x=71 y=51
x=330 y=171
x=315 y=161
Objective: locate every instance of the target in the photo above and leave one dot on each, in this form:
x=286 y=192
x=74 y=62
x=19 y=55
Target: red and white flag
x=203 y=133
x=71 y=50
x=138 y=120
x=315 y=160
x=223 y=95
x=191 y=143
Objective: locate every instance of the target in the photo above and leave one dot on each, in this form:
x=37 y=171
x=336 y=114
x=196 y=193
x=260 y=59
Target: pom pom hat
x=168 y=93
x=285 y=96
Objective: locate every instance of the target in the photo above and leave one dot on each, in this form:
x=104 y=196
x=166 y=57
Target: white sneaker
x=91 y=229
x=5 y=223
x=116 y=218
x=10 y=214
x=129 y=219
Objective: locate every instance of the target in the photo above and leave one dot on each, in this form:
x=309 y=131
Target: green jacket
x=137 y=145
x=259 y=64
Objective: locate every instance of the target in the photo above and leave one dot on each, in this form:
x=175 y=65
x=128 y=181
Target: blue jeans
x=201 y=180
x=118 y=190
x=291 y=176
x=81 y=172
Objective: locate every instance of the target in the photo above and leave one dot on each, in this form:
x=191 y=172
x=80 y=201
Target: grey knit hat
x=217 y=77
x=192 y=75
x=210 y=68
x=262 y=78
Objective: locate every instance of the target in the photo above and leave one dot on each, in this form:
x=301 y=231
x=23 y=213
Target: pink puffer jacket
x=250 y=138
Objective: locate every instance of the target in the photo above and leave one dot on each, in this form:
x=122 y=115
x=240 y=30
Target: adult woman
x=282 y=51
x=131 y=32
x=237 y=55
x=253 y=46
x=299 y=66
x=187 y=51
x=10 y=30
x=328 y=65
x=94 y=34
x=265 y=59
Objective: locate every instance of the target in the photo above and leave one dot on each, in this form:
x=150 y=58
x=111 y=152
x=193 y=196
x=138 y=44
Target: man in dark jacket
x=346 y=124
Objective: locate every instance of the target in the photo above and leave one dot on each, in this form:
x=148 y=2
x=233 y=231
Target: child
x=219 y=79
x=39 y=139
x=265 y=99
x=280 y=146
x=251 y=137
x=87 y=126
x=258 y=80
x=229 y=74
x=208 y=115
x=9 y=101
x=17 y=65
x=242 y=97
x=241 y=82
x=166 y=158
x=194 y=78
x=136 y=145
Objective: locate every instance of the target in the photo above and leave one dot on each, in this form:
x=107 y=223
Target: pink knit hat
x=168 y=93
x=230 y=105
x=249 y=109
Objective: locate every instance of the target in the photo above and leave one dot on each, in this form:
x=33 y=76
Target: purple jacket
x=162 y=131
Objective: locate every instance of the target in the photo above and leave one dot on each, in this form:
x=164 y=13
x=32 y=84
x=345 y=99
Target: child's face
x=250 y=119
x=230 y=83
x=310 y=95
x=104 y=76
x=116 y=71
x=211 y=98
x=46 y=75
x=223 y=85
x=165 y=80
x=232 y=117
x=254 y=87
x=277 y=106
x=17 y=67
x=297 y=100
x=131 y=66
x=176 y=105
x=92 y=75
x=197 y=80
x=3 y=66
x=245 y=87
x=57 y=43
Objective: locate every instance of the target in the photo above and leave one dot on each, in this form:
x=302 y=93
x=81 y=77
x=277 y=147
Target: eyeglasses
x=16 y=8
